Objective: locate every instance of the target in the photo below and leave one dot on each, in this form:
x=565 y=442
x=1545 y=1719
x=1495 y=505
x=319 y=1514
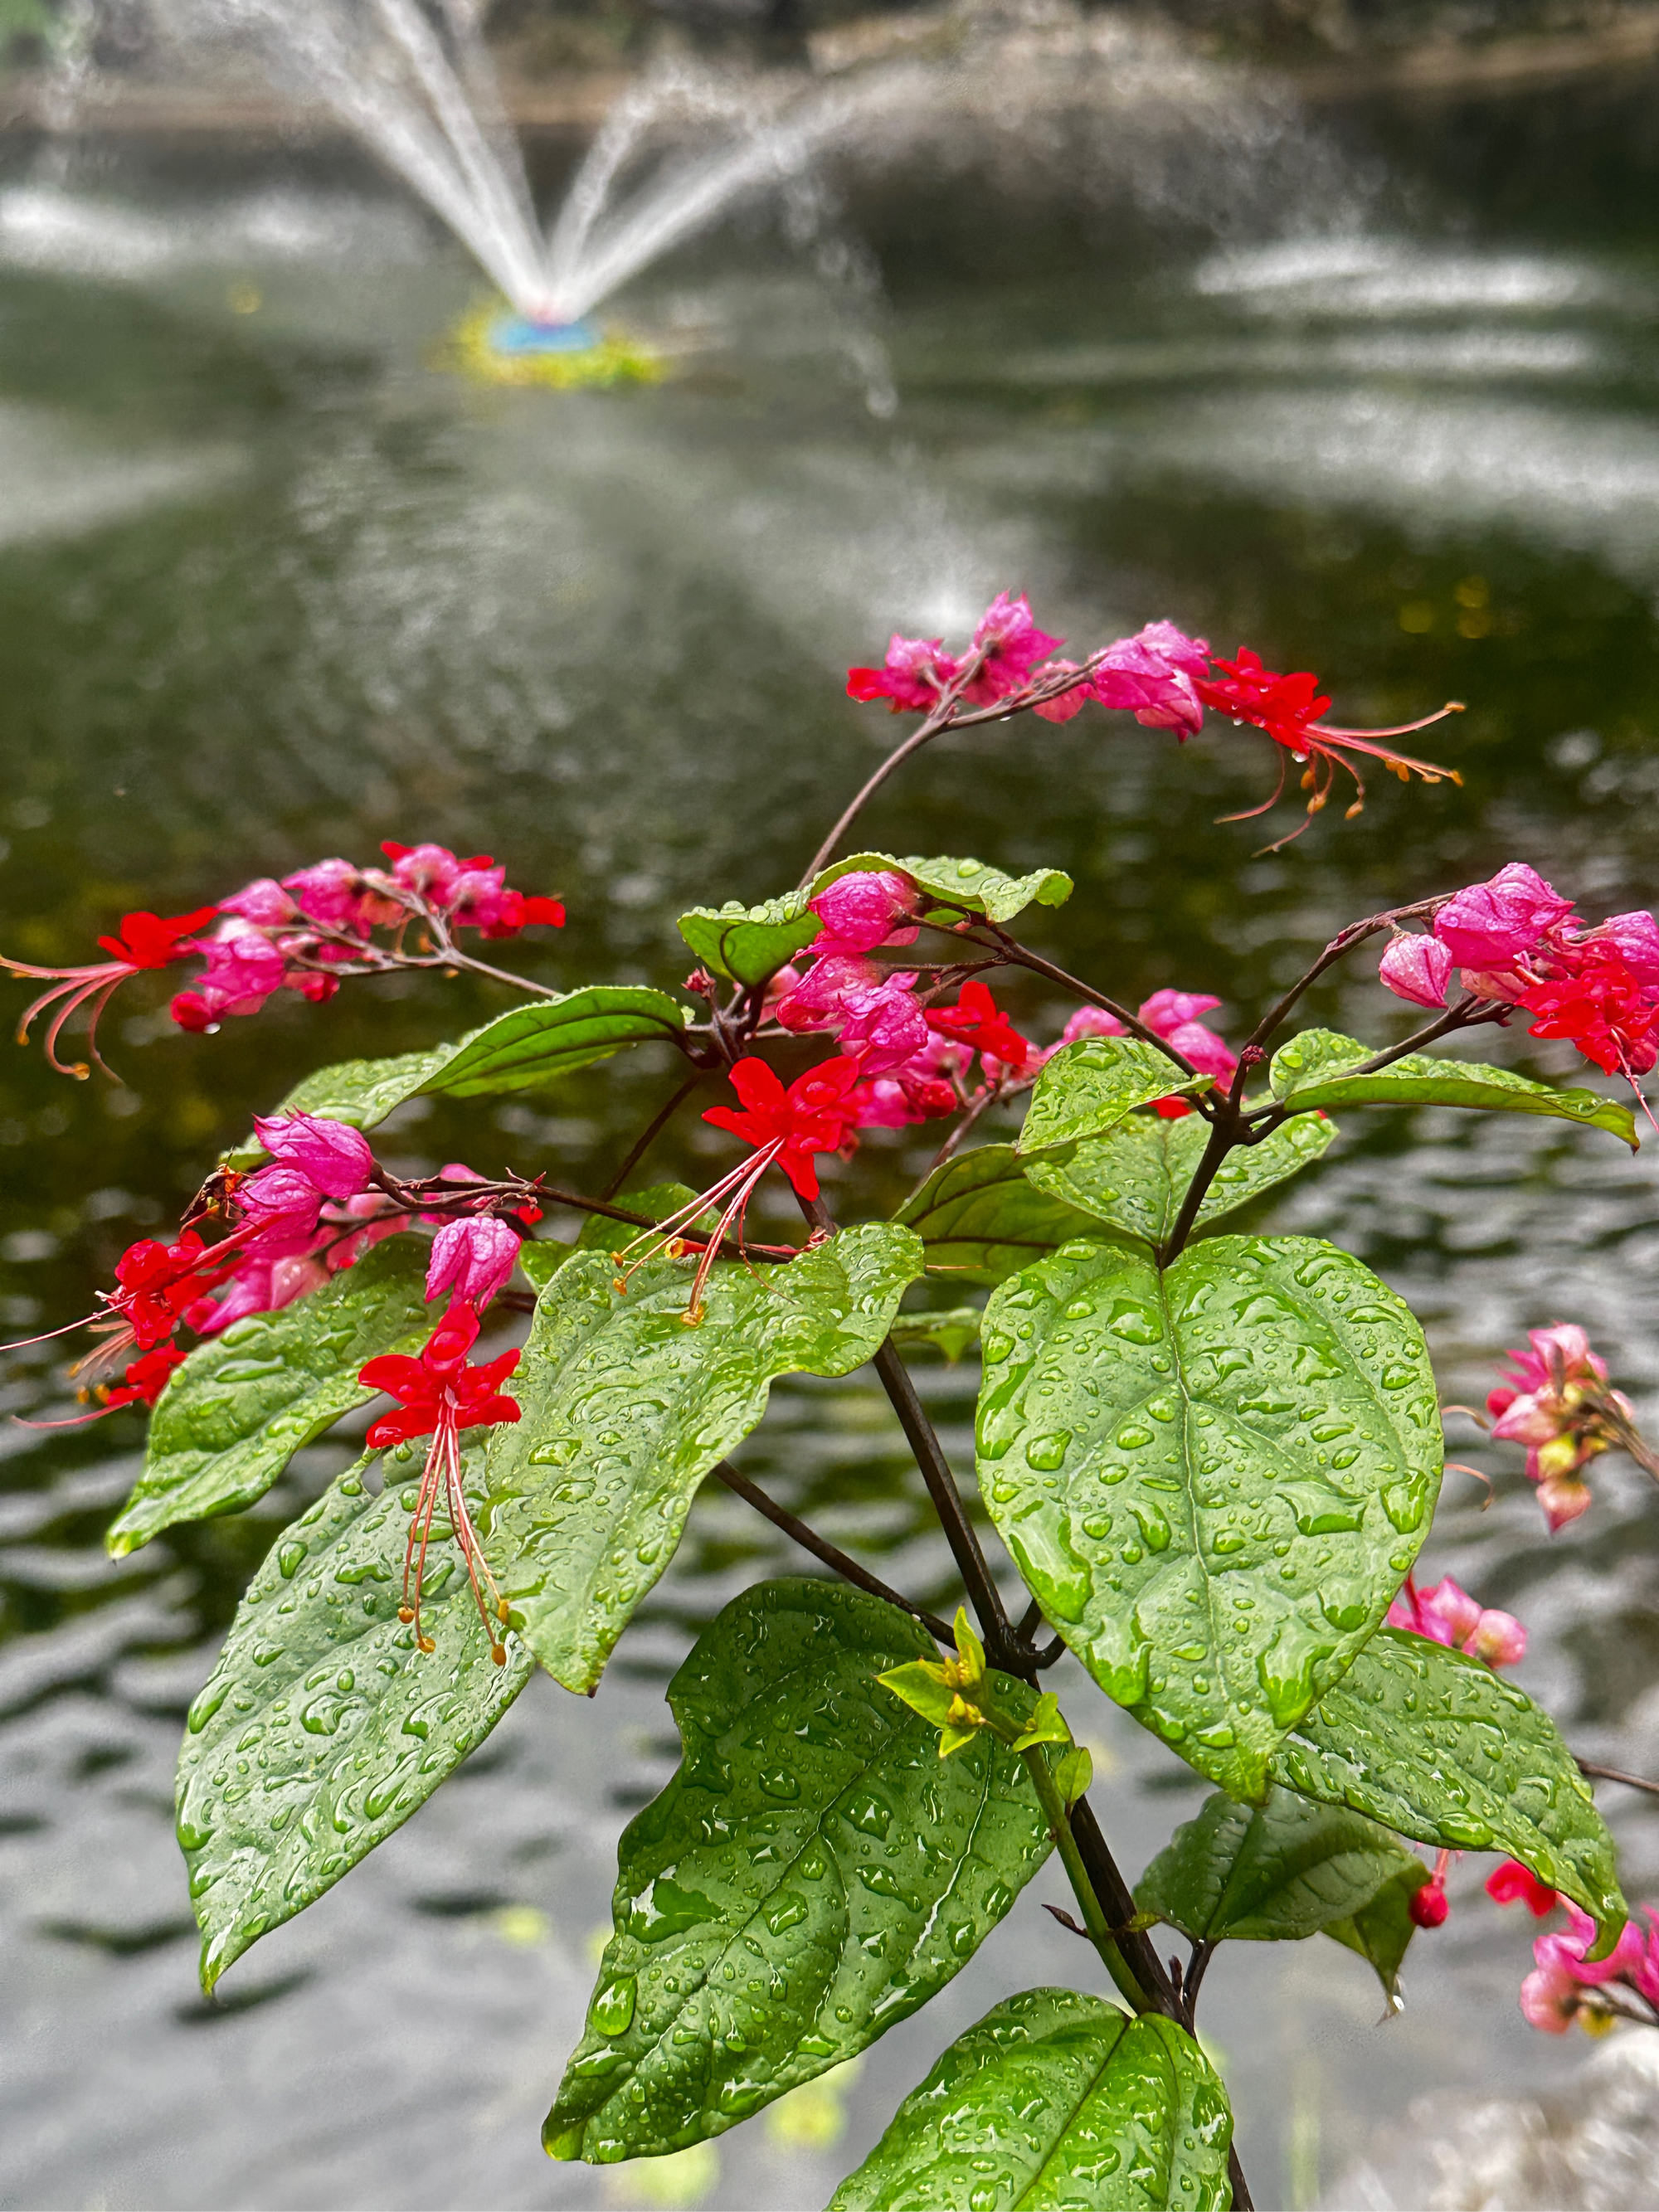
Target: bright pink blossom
x=1492 y=925
x=826 y=994
x=472 y=1258
x=264 y=902
x=331 y=1155
x=1557 y=1991
x=337 y=895
x=1010 y=645
x=1416 y=967
x=913 y=679
x=865 y=909
x=1446 y=1615
x=244 y=968
x=1559 y=1404
x=1151 y=676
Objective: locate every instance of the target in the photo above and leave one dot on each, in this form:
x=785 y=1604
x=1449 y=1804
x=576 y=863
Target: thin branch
x=1470 y=1012
x=1225 y=1132
x=1018 y=956
x=1617 y=1774
x=653 y=1130
x=809 y=1540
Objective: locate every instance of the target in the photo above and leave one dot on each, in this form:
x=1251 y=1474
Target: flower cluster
x=1516 y=941
x=1563 y=1986
x=1557 y=1403
x=1446 y=1615
x=302 y=934
x=1161 y=677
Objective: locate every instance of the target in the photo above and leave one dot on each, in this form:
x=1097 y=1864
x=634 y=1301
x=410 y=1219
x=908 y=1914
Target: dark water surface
x=272 y=588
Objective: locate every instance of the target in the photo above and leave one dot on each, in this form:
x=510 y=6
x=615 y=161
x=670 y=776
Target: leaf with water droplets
x=1381 y=1930
x=1318 y=1069
x=524 y=1049
x=952 y=1333
x=1056 y=2099
x=749 y=943
x=1136 y=1179
x=322 y=1727
x=1213 y=1478
x=813 y=1874
x=1433 y=1743
x=627 y=1405
x=980 y=1220
x=1269 y=1874
x=966 y=883
x=243 y=1403
x=1087 y=1088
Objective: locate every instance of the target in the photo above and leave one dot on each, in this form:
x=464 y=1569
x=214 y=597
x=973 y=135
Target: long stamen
x=738 y=1207
x=98 y=989
x=421 y=1519
x=472 y=1552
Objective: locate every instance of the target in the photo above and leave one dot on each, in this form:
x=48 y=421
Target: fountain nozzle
x=497 y=344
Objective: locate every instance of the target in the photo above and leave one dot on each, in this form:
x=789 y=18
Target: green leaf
x=524 y=1049
x=813 y=1874
x=1269 y=1874
x=1056 y=2099
x=1213 y=1479
x=1088 y=1087
x=1381 y=1932
x=242 y=1406
x=1310 y=1070
x=1435 y=1744
x=952 y=1333
x=966 y=883
x=322 y=1727
x=750 y=943
x=627 y=1407
x=979 y=1219
x=1137 y=1178
x=541 y=1261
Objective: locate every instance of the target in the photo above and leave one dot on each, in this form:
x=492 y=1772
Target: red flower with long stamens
x=813 y=1115
x=1288 y=709
x=438 y=1395
x=978 y=1021
x=146 y=940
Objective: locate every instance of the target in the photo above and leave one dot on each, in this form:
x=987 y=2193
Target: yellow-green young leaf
x=242 y=1406
x=627 y=1407
x=1055 y=2101
x=1435 y=1744
x=541 y=1259
x=524 y=1049
x=1136 y=1178
x=1318 y=1069
x=1088 y=1088
x=1074 y=1772
x=1269 y=1874
x=811 y=1875
x=1213 y=1478
x=979 y=1220
x=322 y=1727
x=749 y=943
x=952 y=1333
x=1381 y=1932
x=968 y=884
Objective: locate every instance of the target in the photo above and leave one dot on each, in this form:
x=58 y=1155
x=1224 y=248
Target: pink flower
x=827 y=993
x=430 y=872
x=1635 y=936
x=1418 y=969
x=331 y=1155
x=903 y=1100
x=1554 y=1995
x=1429 y=1905
x=243 y=970
x=338 y=896
x=1153 y=676
x=1011 y=645
x=1091 y=1021
x=1565 y=1415
x=473 y=1258
x=264 y=902
x=1174 y=1016
x=1513 y=1884
x=284 y=1207
x=1493 y=924
x=863 y=911
x=915 y=674
x=1446 y=1615
x=884 y=1030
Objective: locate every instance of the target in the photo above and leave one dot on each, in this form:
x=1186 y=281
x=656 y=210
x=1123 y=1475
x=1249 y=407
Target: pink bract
x=863 y=911
x=1492 y=924
x=335 y=1157
x=472 y=1258
x=1418 y=969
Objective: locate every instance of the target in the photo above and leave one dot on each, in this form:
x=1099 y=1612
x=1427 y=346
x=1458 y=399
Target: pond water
x=271 y=586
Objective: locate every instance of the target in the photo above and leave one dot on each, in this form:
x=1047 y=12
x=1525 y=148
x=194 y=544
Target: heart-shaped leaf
x=980 y=1220
x=242 y=1406
x=1056 y=2099
x=322 y=1727
x=1136 y=1179
x=1212 y=1479
x=813 y=1874
x=966 y=883
x=1435 y=1744
x=1088 y=1087
x=1321 y=1068
x=749 y=943
x=627 y=1406
x=1269 y=1874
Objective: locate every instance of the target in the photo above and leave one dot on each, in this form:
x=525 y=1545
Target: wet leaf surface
x=1136 y=1179
x=1310 y=1072
x=1213 y=1479
x=750 y=943
x=961 y=882
x=1267 y=1873
x=1055 y=2100
x=813 y=1874
x=980 y=1220
x=1088 y=1088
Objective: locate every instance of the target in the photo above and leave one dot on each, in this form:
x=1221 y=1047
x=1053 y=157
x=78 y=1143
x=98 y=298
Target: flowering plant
x=1211 y=1458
